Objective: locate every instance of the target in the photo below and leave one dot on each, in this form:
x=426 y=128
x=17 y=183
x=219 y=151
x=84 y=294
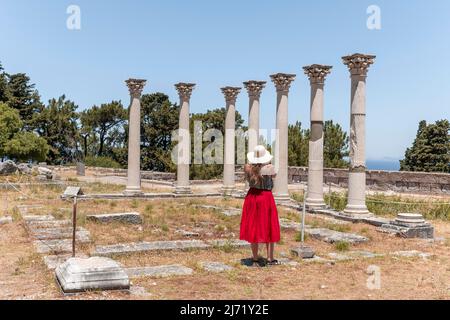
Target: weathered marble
x=184 y=139
x=137 y=247
x=215 y=266
x=135 y=87
x=5 y=220
x=230 y=94
x=282 y=83
x=126 y=217
x=303 y=252
x=332 y=236
x=159 y=271
x=316 y=74
x=358 y=65
x=95 y=273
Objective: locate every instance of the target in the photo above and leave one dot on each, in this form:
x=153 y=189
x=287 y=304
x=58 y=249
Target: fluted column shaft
x=358 y=65
x=314 y=195
x=282 y=84
x=230 y=94
x=254 y=89
x=184 y=139
x=134 y=137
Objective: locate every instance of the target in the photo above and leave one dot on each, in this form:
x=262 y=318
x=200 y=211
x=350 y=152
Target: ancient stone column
x=282 y=83
x=358 y=65
x=254 y=89
x=134 y=137
x=184 y=139
x=230 y=94
x=314 y=196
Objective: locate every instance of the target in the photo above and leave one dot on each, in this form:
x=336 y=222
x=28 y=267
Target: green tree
x=26 y=146
x=10 y=124
x=102 y=122
x=3 y=84
x=212 y=119
x=159 y=117
x=57 y=124
x=335 y=147
x=298 y=145
x=21 y=95
x=430 y=151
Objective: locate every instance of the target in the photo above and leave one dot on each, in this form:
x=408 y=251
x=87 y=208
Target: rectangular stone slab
x=32 y=218
x=96 y=273
x=5 y=220
x=54 y=246
x=135 y=247
x=332 y=236
x=82 y=234
x=229 y=242
x=126 y=217
x=159 y=271
x=48 y=224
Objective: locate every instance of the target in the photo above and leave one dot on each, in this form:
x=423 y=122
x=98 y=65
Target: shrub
x=102 y=162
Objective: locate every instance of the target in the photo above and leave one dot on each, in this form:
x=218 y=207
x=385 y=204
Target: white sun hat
x=259 y=156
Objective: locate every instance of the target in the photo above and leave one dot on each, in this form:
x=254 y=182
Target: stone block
x=92 y=274
x=127 y=217
x=332 y=236
x=229 y=242
x=159 y=271
x=53 y=246
x=5 y=220
x=136 y=247
x=303 y=252
x=215 y=267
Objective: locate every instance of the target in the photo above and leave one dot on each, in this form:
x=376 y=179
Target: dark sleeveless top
x=266 y=183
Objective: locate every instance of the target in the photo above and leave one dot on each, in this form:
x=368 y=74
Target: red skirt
x=259 y=223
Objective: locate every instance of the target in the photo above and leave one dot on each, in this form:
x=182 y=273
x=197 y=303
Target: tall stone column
x=134 y=137
x=184 y=139
x=316 y=74
x=254 y=89
x=230 y=94
x=282 y=83
x=358 y=65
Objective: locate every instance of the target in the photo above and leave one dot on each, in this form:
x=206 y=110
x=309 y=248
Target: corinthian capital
x=185 y=90
x=283 y=81
x=136 y=86
x=317 y=72
x=254 y=88
x=230 y=93
x=358 y=64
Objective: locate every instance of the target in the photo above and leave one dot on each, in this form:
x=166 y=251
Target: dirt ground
x=23 y=275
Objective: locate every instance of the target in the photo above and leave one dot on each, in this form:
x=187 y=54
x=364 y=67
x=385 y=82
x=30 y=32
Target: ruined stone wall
x=419 y=182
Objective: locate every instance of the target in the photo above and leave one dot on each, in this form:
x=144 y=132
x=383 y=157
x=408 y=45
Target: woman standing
x=260 y=222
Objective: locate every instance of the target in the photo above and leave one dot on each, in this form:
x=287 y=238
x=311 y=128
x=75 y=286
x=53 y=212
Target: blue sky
x=219 y=43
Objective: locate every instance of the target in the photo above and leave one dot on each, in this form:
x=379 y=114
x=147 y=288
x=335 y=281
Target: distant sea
x=389 y=165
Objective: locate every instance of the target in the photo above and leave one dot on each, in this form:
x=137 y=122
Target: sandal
x=261 y=262
x=273 y=262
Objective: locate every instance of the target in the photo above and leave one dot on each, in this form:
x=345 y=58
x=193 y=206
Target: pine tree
x=430 y=151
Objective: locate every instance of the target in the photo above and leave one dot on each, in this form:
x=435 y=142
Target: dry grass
x=23 y=274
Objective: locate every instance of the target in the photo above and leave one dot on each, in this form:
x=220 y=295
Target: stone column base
x=132 y=191
x=315 y=203
x=357 y=210
x=228 y=190
x=183 y=190
x=282 y=197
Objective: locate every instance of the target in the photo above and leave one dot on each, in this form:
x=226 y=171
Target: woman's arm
x=268 y=170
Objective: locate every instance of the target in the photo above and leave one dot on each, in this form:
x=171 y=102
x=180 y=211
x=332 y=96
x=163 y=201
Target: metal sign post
x=303 y=222
x=73 y=192
x=74 y=225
